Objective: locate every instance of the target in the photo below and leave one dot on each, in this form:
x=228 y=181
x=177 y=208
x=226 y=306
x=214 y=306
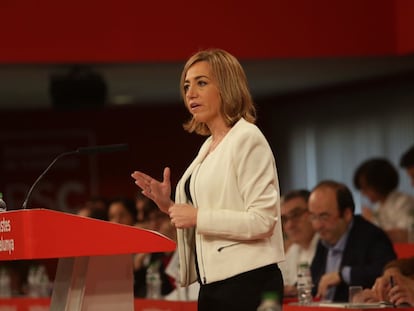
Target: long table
x=315 y=307
x=403 y=250
x=43 y=304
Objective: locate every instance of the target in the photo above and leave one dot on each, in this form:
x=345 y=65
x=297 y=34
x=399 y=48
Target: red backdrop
x=30 y=140
x=130 y=30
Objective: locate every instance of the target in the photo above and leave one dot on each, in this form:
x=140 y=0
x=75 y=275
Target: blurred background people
x=96 y=207
x=141 y=203
x=146 y=215
x=123 y=211
x=299 y=231
x=151 y=218
x=351 y=250
x=407 y=162
x=377 y=179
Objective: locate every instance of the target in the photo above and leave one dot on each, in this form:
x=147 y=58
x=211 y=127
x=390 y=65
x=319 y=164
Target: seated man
x=351 y=250
x=298 y=229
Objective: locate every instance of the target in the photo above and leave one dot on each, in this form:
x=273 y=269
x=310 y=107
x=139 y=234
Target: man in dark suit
x=351 y=250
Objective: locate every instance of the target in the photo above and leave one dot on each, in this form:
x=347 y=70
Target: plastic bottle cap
x=2 y=203
x=270 y=295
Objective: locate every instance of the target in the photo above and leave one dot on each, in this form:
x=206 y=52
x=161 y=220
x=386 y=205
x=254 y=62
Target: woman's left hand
x=183 y=215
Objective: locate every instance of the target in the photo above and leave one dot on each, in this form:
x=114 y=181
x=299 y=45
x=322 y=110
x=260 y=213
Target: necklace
x=218 y=132
x=213 y=145
x=215 y=142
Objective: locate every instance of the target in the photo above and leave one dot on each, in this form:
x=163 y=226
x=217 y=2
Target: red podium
x=95 y=263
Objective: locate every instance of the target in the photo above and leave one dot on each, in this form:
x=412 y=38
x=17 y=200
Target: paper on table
x=359 y=305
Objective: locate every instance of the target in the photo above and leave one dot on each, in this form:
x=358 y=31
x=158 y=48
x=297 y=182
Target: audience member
x=298 y=229
x=93 y=213
x=400 y=292
x=187 y=293
x=351 y=250
x=141 y=202
x=16 y=272
x=151 y=219
x=95 y=207
x=407 y=162
x=123 y=211
x=377 y=179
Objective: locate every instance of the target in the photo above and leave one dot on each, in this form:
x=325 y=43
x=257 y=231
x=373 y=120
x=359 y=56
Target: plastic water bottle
x=304 y=284
x=270 y=302
x=5 y=287
x=153 y=282
x=32 y=288
x=3 y=206
x=38 y=282
x=44 y=284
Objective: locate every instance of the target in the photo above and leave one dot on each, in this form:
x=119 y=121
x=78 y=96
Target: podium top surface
x=41 y=233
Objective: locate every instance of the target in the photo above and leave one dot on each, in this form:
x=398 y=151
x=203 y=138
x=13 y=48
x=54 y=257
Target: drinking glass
x=354 y=291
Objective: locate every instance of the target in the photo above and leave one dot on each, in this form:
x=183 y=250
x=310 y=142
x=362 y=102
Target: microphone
x=82 y=150
x=101 y=149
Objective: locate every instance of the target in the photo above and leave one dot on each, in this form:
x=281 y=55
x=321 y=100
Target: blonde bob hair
x=236 y=100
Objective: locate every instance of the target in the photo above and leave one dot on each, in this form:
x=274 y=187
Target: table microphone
x=101 y=149
x=82 y=150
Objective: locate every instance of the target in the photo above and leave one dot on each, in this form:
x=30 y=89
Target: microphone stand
x=83 y=150
x=44 y=172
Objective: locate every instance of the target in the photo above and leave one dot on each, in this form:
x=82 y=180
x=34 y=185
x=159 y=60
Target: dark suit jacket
x=367 y=250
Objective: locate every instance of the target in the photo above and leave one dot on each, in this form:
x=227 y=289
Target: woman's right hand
x=159 y=192
x=403 y=291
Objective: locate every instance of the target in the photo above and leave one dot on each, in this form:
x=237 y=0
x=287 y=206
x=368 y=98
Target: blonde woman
x=226 y=206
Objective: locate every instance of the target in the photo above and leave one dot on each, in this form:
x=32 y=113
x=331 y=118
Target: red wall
x=134 y=31
x=30 y=140
x=405 y=26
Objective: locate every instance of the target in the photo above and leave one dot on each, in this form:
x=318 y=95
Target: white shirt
x=297 y=254
x=397 y=212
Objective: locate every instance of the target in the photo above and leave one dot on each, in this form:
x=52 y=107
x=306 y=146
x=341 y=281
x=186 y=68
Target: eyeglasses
x=323 y=217
x=294 y=215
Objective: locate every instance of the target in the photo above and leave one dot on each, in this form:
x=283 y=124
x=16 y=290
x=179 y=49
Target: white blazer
x=236 y=191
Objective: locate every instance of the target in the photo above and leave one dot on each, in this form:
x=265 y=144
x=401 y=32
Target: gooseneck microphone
x=82 y=150
x=101 y=149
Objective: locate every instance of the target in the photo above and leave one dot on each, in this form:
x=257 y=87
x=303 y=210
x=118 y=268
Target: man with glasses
x=351 y=250
x=299 y=231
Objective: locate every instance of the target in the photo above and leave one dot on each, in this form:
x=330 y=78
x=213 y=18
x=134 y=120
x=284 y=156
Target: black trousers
x=242 y=292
